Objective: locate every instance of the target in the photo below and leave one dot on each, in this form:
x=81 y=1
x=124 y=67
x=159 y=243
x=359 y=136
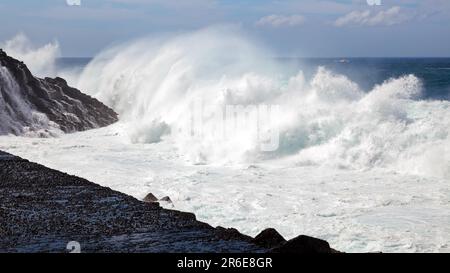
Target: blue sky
x=305 y=28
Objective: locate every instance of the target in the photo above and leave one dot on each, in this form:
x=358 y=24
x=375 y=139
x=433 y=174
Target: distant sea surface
x=367 y=72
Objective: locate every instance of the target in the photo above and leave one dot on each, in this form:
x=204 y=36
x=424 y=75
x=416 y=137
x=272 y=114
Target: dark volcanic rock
x=304 y=245
x=31 y=104
x=269 y=238
x=150 y=198
x=42 y=210
x=166 y=199
x=232 y=233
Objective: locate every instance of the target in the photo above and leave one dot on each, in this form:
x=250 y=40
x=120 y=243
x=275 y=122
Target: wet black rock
x=166 y=199
x=31 y=104
x=150 y=198
x=304 y=245
x=269 y=238
x=232 y=233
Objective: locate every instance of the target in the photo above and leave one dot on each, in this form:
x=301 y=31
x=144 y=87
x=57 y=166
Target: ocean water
x=363 y=155
x=366 y=72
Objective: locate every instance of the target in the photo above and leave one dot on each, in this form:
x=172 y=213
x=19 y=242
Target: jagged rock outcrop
x=304 y=245
x=30 y=105
x=269 y=238
x=150 y=198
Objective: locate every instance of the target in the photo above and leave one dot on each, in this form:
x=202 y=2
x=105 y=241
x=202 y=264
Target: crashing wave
x=325 y=120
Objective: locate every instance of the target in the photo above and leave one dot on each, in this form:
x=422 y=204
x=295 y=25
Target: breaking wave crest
x=40 y=60
x=324 y=120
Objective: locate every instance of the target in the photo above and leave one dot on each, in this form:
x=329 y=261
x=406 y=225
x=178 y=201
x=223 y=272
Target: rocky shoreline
x=42 y=210
x=31 y=105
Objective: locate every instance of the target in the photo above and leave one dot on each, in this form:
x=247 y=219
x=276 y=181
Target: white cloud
x=275 y=20
x=388 y=17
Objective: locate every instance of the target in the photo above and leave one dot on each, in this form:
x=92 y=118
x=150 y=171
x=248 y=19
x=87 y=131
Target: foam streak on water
x=371 y=210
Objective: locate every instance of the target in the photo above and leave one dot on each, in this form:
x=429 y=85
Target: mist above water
x=326 y=119
x=39 y=59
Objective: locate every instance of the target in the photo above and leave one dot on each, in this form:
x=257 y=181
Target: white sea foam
x=325 y=120
x=355 y=211
x=366 y=170
x=16 y=115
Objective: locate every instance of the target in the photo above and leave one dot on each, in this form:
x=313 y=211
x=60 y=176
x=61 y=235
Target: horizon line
x=314 y=57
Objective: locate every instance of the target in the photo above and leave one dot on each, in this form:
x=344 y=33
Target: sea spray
x=40 y=60
x=325 y=120
x=17 y=117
